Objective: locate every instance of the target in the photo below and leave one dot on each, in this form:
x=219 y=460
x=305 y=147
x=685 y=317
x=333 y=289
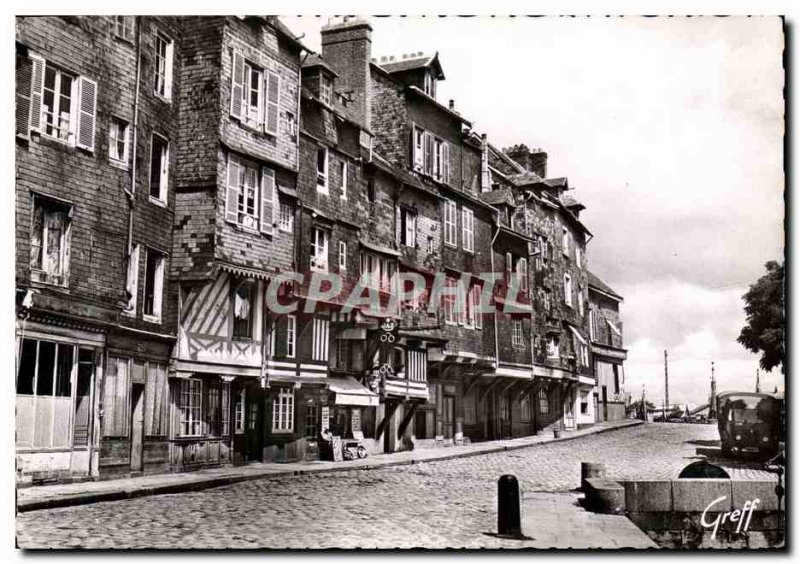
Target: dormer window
x=326 y=89
x=430 y=84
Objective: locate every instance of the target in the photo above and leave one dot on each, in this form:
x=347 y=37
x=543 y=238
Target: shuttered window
x=268 y=200
x=417 y=366
x=87 y=110
x=273 y=103
x=116 y=405
x=467 y=229
x=249 y=197
x=24 y=77
x=450 y=211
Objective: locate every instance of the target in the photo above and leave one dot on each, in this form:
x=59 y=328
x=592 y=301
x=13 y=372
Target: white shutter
x=237 y=84
x=232 y=193
x=169 y=54
x=267 y=199
x=446 y=163
x=273 y=92
x=37 y=92
x=133 y=278
x=87 y=109
x=24 y=75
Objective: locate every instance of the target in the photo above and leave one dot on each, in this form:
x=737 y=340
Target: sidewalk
x=557 y=520
x=62 y=495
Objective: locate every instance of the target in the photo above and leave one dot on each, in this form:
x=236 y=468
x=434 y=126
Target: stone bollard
x=508 y=513
x=591 y=470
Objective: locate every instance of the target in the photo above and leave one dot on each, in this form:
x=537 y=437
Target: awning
x=577 y=335
x=350 y=392
x=378 y=248
x=244 y=272
x=614 y=328
x=526 y=374
x=287 y=191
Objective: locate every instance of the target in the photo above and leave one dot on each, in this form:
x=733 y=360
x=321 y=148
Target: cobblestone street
x=433 y=505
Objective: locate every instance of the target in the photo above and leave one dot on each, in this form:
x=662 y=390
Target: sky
x=671 y=131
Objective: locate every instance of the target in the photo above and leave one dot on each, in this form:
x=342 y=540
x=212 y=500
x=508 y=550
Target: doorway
x=254 y=425
x=605 y=403
x=137 y=427
x=448 y=416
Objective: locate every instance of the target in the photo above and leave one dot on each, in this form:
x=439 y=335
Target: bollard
x=508 y=515
x=591 y=470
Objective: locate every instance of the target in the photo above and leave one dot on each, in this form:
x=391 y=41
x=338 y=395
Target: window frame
x=163 y=182
x=283 y=411
x=113 y=141
x=450 y=223
x=325 y=89
x=251 y=318
x=408 y=227
x=342 y=256
x=291 y=335
x=191 y=416
x=467 y=229
x=158 y=286
x=120 y=23
x=343 y=186
x=323 y=174
x=517 y=333
x=286 y=217
x=41 y=274
x=163 y=76
x=320 y=247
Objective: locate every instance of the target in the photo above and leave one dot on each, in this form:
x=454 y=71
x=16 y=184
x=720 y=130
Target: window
x=615 y=368
x=568 y=290
x=118 y=141
x=319 y=249
x=552 y=347
x=312 y=421
x=132 y=281
x=291 y=335
x=163 y=66
x=565 y=241
x=239 y=413
x=592 y=334
x=343 y=354
x=450 y=223
x=50 y=242
x=156 y=400
x=584 y=403
x=123 y=27
x=579 y=295
x=522 y=274
x=252 y=107
x=190 y=407
x=57 y=110
x=509 y=267
x=418 y=148
x=159 y=168
x=153 y=285
x=449 y=300
x=320 y=337
x=377 y=271
x=342 y=256
x=243 y=309
x=544 y=402
x=286 y=221
x=474 y=317
x=525 y=409
x=431 y=245
x=517 y=336
x=243 y=206
x=322 y=170
x=430 y=84
x=326 y=89
x=467 y=230
x=577 y=255
x=408 y=228
x=437 y=159
x=283 y=411
x=46 y=415
x=343 y=175
x=291 y=124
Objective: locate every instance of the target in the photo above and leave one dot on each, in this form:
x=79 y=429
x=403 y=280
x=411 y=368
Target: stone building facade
x=188 y=188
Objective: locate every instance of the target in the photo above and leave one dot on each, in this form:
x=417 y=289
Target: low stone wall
x=695 y=512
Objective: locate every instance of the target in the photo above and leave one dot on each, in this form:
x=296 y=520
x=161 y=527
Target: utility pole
x=666 y=386
x=758 y=383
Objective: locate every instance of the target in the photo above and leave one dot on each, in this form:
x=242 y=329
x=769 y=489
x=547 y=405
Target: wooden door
x=254 y=425
x=137 y=427
x=448 y=416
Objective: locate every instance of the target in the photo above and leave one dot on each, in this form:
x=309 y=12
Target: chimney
x=533 y=161
x=452 y=105
x=347 y=47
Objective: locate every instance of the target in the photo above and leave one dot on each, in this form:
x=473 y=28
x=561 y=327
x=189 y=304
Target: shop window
x=239 y=413
x=283 y=411
x=312 y=421
x=584 y=403
x=190 y=407
x=525 y=409
x=544 y=402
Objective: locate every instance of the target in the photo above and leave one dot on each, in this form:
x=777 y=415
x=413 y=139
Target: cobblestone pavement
x=433 y=505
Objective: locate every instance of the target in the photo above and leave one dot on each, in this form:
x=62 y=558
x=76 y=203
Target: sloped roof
x=560 y=182
x=316 y=60
x=595 y=282
x=495 y=197
x=411 y=62
x=525 y=178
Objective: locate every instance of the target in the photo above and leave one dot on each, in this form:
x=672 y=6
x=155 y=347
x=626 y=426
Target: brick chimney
x=347 y=47
x=531 y=160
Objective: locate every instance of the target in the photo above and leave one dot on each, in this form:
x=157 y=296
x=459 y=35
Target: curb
x=215 y=482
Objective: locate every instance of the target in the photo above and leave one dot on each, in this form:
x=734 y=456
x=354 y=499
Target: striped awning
x=349 y=392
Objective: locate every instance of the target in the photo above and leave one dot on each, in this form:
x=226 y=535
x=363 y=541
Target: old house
x=608 y=352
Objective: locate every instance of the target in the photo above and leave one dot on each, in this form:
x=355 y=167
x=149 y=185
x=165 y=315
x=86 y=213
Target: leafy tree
x=764 y=332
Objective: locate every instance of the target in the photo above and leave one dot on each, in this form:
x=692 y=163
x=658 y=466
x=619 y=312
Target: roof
x=496 y=197
x=411 y=61
x=315 y=60
x=560 y=182
x=570 y=201
x=525 y=178
x=505 y=158
x=281 y=28
x=442 y=107
x=595 y=282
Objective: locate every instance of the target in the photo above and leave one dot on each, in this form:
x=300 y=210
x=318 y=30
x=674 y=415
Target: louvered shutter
x=232 y=194
x=87 y=109
x=168 y=70
x=37 y=91
x=428 y=143
x=237 y=85
x=445 y=163
x=273 y=93
x=267 y=199
x=24 y=74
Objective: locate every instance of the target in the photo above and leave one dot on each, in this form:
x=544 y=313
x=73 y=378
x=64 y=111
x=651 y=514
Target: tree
x=636 y=407
x=764 y=332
